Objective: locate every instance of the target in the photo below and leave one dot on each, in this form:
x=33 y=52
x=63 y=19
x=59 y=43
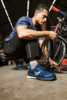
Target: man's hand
x=52 y=62
x=52 y=35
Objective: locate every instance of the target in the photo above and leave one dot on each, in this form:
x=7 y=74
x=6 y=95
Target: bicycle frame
x=59 y=37
x=60 y=20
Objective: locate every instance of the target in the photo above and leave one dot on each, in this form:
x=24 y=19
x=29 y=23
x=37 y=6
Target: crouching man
x=22 y=42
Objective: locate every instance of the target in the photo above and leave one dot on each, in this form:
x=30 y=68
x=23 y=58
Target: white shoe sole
x=45 y=79
x=31 y=77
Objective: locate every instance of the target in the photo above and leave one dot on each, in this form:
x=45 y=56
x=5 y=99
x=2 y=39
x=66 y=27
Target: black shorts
x=21 y=48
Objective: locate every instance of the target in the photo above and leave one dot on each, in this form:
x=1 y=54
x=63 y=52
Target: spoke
x=57 y=50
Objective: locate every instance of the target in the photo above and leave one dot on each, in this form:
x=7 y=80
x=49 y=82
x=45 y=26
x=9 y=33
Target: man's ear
x=36 y=12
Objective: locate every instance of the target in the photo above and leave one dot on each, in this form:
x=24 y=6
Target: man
x=22 y=42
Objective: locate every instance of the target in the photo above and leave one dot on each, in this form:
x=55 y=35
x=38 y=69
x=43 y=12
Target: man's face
x=41 y=17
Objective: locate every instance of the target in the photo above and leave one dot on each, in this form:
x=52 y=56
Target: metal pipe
x=28 y=2
x=52 y=5
x=7 y=14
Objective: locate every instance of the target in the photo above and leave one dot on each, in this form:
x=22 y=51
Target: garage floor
x=14 y=85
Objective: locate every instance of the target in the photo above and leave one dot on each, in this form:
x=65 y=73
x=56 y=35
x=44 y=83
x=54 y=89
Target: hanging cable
x=52 y=5
x=7 y=14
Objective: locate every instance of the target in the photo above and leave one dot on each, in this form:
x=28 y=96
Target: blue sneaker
x=20 y=66
x=40 y=73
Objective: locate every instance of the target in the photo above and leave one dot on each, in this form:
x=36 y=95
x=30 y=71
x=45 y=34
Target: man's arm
x=25 y=33
x=46 y=53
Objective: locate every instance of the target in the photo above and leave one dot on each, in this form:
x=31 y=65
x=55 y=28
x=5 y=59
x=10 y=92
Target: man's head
x=41 y=13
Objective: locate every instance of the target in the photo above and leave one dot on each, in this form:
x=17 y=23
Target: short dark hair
x=40 y=7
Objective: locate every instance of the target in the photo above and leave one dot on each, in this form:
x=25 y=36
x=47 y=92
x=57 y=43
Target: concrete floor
x=14 y=85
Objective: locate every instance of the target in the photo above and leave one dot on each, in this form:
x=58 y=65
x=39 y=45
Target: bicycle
x=61 y=42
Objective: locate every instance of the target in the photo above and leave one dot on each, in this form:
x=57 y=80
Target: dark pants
x=20 y=48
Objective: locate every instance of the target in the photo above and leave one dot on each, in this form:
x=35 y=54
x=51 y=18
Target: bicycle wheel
x=57 y=56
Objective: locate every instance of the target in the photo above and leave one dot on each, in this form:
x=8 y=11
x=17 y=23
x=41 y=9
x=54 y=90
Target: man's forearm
x=32 y=34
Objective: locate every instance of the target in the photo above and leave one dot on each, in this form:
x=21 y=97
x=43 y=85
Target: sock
x=33 y=64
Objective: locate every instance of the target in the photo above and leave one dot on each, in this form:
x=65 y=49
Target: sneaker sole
x=39 y=78
x=46 y=79
x=31 y=77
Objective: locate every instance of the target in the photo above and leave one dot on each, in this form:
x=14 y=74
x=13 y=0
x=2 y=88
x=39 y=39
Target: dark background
x=18 y=8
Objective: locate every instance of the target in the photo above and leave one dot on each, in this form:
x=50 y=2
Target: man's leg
x=14 y=50
x=35 y=70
